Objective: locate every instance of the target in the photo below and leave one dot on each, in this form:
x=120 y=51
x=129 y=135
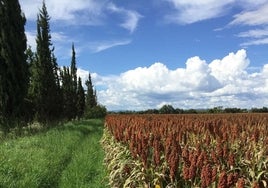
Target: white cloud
x=222 y=82
x=255 y=33
x=253 y=17
x=255 y=37
x=101 y=46
x=81 y=12
x=83 y=74
x=132 y=21
x=66 y=10
x=231 y=67
x=187 y=12
x=252 y=14
x=59 y=39
x=131 y=17
x=31 y=39
x=261 y=41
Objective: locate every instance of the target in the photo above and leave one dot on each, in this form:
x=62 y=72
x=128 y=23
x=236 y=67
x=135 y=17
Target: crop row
x=219 y=150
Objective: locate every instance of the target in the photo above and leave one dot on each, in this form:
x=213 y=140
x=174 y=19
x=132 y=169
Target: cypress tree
x=13 y=67
x=67 y=93
x=91 y=98
x=44 y=88
x=74 y=82
x=80 y=99
x=70 y=88
x=58 y=92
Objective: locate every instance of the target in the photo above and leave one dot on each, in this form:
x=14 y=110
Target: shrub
x=98 y=111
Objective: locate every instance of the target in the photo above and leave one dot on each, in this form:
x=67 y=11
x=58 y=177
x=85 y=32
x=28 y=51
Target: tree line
x=32 y=85
x=169 y=109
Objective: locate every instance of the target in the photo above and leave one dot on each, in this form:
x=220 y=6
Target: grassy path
x=67 y=156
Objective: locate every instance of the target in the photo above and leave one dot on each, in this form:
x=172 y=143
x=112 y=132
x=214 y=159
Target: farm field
x=203 y=150
x=65 y=156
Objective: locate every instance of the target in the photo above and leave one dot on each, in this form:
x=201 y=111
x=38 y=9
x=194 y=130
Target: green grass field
x=66 y=156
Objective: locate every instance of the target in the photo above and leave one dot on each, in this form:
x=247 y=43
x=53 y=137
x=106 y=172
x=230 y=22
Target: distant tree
x=92 y=109
x=14 y=74
x=80 y=106
x=191 y=111
x=179 y=111
x=98 y=111
x=233 y=110
x=259 y=110
x=167 y=109
x=44 y=89
x=218 y=109
x=151 y=111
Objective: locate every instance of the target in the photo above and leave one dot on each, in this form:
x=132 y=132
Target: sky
x=143 y=54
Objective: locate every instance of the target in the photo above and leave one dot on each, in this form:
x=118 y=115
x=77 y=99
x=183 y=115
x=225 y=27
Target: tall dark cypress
x=91 y=98
x=58 y=92
x=69 y=88
x=67 y=93
x=80 y=99
x=13 y=67
x=74 y=82
x=44 y=80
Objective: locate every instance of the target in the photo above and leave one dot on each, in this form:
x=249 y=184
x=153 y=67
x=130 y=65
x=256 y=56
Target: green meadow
x=69 y=155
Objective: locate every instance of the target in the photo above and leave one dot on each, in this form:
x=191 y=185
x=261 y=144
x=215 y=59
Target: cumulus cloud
x=83 y=74
x=231 y=67
x=221 y=82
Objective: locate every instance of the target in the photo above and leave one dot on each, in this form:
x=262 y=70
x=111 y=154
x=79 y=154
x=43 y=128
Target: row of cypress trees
x=32 y=85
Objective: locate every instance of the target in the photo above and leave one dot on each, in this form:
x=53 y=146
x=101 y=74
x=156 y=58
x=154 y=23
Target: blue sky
x=143 y=54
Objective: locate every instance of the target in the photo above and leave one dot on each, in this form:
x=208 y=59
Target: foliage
x=98 y=111
x=80 y=106
x=32 y=86
x=92 y=108
x=74 y=83
x=91 y=97
x=13 y=67
x=67 y=93
x=259 y=110
x=220 y=150
x=167 y=109
x=44 y=89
